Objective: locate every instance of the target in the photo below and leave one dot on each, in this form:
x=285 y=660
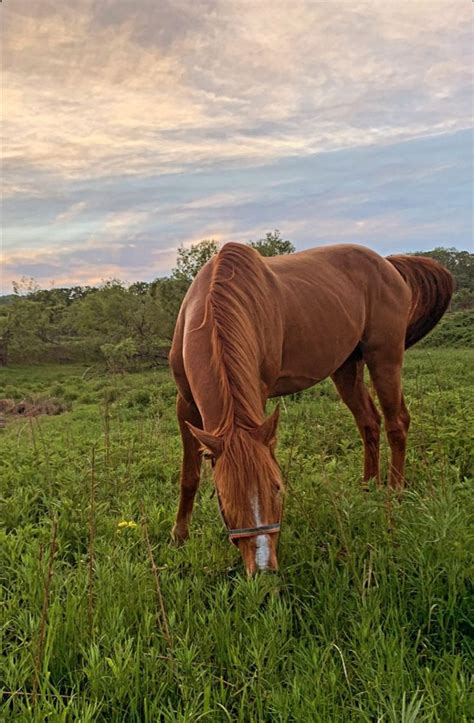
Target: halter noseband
x=245 y=532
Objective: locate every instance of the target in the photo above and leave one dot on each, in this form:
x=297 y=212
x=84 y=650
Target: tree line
x=124 y=325
x=128 y=325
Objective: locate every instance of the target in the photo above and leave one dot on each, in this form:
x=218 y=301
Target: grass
x=370 y=618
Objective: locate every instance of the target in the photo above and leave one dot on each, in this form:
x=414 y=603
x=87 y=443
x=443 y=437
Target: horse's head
x=249 y=489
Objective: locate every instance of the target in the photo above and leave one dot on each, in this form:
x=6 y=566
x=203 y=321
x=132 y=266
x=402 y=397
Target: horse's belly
x=313 y=353
x=302 y=377
x=290 y=385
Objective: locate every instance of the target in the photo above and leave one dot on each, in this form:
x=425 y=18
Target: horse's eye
x=209 y=456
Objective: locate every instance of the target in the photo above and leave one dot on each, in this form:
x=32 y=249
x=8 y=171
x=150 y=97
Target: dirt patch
x=30 y=408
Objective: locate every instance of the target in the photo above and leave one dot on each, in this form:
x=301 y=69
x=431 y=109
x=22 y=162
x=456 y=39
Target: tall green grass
x=369 y=619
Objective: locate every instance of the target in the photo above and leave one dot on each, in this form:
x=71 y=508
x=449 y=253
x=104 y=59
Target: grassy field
x=370 y=618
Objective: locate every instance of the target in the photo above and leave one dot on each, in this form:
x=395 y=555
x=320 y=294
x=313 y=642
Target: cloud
x=71 y=212
x=414 y=195
x=132 y=128
x=115 y=89
x=90 y=264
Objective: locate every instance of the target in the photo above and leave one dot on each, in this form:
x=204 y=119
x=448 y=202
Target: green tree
x=171 y=291
x=32 y=321
x=461 y=265
x=190 y=261
x=120 y=357
x=115 y=313
x=273 y=244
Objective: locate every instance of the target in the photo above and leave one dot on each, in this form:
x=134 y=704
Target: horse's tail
x=432 y=287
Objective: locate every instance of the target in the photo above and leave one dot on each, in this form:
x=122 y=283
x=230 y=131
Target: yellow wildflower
x=126 y=523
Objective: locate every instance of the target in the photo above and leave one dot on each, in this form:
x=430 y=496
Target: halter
x=245 y=532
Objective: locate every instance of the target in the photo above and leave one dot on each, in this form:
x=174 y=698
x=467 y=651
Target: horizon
x=127 y=283
x=131 y=131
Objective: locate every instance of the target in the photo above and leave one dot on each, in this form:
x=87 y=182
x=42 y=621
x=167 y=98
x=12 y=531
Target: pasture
x=369 y=619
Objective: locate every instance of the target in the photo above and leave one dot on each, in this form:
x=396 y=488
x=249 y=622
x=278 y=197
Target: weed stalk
x=107 y=432
x=92 y=532
x=38 y=661
x=161 y=609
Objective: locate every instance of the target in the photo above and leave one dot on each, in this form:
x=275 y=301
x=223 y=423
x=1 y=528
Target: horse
x=251 y=328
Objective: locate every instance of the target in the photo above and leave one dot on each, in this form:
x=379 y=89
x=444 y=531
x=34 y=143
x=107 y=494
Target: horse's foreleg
x=190 y=469
x=349 y=381
x=386 y=376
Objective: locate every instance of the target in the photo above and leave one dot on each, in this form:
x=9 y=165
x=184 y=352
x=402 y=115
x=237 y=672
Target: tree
x=273 y=244
x=190 y=261
x=25 y=328
x=171 y=291
x=120 y=357
x=461 y=265
x=115 y=313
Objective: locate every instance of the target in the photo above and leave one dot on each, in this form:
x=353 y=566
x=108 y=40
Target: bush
x=109 y=394
x=140 y=398
x=454 y=330
x=120 y=357
x=88 y=399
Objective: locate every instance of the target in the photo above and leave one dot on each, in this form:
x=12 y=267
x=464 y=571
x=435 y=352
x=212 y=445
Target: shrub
x=120 y=357
x=141 y=398
x=454 y=330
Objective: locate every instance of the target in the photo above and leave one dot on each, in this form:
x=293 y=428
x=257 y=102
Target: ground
x=104 y=620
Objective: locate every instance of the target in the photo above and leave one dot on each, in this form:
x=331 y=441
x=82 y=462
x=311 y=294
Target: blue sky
x=130 y=130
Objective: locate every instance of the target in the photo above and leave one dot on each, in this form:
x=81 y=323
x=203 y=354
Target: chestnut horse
x=251 y=328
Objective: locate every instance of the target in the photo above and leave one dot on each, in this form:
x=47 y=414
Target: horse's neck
x=237 y=340
x=240 y=399
x=225 y=379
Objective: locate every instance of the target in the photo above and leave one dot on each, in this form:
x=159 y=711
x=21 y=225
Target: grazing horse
x=251 y=328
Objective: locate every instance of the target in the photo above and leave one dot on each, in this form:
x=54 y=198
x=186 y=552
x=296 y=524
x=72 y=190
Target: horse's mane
x=244 y=471
x=234 y=309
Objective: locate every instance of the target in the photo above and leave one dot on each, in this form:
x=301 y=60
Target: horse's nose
x=259 y=555
x=269 y=570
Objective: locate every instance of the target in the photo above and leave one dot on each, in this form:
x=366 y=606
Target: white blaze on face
x=262 y=542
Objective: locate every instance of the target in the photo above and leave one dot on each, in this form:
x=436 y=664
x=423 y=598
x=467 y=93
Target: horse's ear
x=267 y=431
x=208 y=441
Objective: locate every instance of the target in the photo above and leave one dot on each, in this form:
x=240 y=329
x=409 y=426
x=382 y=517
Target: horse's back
x=329 y=300
x=346 y=274
x=335 y=297
x=352 y=260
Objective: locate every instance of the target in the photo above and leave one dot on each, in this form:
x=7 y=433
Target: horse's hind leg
x=349 y=381
x=385 y=368
x=190 y=469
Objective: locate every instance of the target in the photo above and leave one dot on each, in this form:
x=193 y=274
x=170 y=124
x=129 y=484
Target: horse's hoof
x=179 y=537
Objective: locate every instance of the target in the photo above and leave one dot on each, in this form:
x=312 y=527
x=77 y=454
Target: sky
x=133 y=128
